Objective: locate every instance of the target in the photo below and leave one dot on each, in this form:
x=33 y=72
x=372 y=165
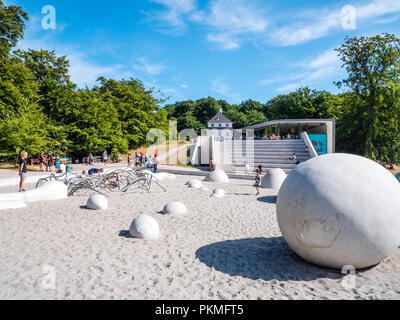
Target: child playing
x=257 y=183
x=246 y=168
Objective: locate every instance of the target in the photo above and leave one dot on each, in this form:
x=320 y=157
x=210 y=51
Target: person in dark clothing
x=49 y=163
x=41 y=161
x=93 y=171
x=22 y=171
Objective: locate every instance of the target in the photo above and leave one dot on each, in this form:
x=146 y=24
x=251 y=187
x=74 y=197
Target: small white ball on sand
x=273 y=179
x=175 y=208
x=217 y=176
x=339 y=209
x=218 y=193
x=161 y=176
x=194 y=183
x=144 y=227
x=97 y=202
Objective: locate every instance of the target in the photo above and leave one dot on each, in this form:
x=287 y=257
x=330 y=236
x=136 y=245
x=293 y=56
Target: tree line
x=42 y=109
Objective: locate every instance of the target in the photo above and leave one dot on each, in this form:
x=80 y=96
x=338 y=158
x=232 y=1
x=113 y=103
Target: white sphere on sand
x=217 y=176
x=218 y=193
x=194 y=183
x=160 y=176
x=144 y=227
x=340 y=210
x=165 y=176
x=175 y=208
x=273 y=179
x=97 y=202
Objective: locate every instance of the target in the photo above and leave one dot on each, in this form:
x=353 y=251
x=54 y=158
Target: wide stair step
x=269 y=154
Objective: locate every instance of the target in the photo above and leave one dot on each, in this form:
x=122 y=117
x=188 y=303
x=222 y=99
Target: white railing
x=195 y=160
x=308 y=143
x=212 y=147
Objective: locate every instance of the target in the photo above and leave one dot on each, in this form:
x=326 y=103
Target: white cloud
x=229 y=20
x=150 y=68
x=290 y=77
x=223 y=89
x=322 y=22
x=313 y=72
x=184 y=86
x=174 y=13
x=228 y=23
x=327 y=59
x=225 y=40
x=85 y=73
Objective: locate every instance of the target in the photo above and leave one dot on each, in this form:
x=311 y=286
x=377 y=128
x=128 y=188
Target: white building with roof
x=220 y=127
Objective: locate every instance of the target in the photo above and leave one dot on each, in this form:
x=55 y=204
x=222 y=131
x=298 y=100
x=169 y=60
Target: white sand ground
x=228 y=248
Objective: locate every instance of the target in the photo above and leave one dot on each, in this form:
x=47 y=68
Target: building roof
x=290 y=121
x=220 y=118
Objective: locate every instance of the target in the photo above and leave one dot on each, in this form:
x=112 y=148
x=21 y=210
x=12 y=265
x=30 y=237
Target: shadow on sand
x=261 y=258
x=268 y=199
x=125 y=234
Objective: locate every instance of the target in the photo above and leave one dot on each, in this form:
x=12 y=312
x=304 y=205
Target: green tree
x=12 y=26
x=304 y=104
x=371 y=114
x=55 y=87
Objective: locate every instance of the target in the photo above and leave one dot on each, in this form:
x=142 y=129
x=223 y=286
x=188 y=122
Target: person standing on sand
x=41 y=161
x=49 y=163
x=90 y=159
x=246 y=168
x=129 y=160
x=136 y=159
x=141 y=159
x=212 y=164
x=22 y=171
x=257 y=182
x=105 y=156
x=155 y=163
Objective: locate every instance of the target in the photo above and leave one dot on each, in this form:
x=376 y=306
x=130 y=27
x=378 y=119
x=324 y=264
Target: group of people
x=274 y=136
x=48 y=162
x=60 y=166
x=142 y=160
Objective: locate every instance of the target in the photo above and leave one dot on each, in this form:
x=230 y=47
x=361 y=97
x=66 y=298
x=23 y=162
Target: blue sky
x=189 y=49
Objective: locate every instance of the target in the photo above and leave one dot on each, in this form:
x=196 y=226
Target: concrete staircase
x=268 y=153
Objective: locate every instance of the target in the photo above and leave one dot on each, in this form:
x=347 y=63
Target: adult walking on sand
x=105 y=156
x=155 y=163
x=22 y=171
x=41 y=161
x=49 y=163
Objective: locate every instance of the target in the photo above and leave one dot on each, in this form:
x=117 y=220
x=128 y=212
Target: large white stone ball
x=175 y=208
x=339 y=209
x=97 y=202
x=217 y=176
x=273 y=179
x=218 y=193
x=144 y=227
x=194 y=183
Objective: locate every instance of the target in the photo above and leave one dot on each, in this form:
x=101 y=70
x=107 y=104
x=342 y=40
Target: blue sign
x=319 y=142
